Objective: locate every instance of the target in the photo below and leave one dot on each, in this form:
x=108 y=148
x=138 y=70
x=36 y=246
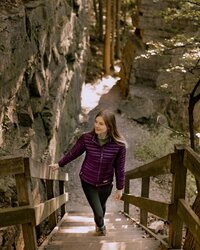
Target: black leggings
x=97 y=197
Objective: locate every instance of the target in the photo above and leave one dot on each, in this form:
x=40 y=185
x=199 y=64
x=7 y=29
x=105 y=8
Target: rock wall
x=164 y=67
x=43 y=55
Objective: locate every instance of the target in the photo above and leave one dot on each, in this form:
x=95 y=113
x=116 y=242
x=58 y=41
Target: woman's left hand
x=54 y=166
x=118 y=194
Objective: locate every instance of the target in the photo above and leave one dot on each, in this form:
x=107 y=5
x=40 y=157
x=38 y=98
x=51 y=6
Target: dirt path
x=134 y=135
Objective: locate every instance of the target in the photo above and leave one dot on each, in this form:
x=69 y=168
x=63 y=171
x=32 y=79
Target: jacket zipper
x=101 y=158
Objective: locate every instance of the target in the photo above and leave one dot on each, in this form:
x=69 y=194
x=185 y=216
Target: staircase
x=76 y=232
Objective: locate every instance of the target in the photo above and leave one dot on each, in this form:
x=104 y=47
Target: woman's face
x=100 y=127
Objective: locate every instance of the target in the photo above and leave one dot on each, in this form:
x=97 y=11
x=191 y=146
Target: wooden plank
x=23 y=185
x=190 y=218
x=149 y=231
x=197 y=246
x=144 y=193
x=157 y=167
x=67 y=236
x=43 y=210
x=192 y=162
x=16 y=215
x=178 y=191
x=10 y=166
x=62 y=191
x=50 y=195
x=53 y=232
x=45 y=172
x=155 y=207
x=127 y=191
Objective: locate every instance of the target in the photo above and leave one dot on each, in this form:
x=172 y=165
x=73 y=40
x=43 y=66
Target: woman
x=105 y=153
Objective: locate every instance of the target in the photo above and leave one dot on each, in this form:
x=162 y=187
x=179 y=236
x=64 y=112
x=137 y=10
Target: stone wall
x=43 y=55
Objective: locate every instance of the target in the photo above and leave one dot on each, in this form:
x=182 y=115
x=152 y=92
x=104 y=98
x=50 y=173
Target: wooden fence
x=178 y=211
x=28 y=214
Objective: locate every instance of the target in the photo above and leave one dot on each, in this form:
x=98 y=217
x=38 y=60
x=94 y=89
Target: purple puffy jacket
x=101 y=162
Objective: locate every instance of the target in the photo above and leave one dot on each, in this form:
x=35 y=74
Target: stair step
x=106 y=245
x=78 y=238
x=111 y=226
x=77 y=231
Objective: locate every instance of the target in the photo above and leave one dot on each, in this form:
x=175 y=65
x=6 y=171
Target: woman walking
x=105 y=152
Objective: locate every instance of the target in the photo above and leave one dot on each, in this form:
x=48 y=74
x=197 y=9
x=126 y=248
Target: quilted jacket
x=101 y=163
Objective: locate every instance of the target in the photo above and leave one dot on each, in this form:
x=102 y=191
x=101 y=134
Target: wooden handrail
x=28 y=214
x=43 y=210
x=11 y=166
x=17 y=215
x=157 y=167
x=45 y=172
x=192 y=162
x=190 y=218
x=161 y=209
x=176 y=164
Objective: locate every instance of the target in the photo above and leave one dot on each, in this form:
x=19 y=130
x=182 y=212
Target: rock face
x=166 y=66
x=43 y=54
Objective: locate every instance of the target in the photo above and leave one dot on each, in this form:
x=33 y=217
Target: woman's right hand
x=118 y=195
x=54 y=166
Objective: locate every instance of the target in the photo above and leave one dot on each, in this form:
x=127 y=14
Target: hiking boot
x=100 y=231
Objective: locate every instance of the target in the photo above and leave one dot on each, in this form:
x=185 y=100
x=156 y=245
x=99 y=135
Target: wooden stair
x=76 y=231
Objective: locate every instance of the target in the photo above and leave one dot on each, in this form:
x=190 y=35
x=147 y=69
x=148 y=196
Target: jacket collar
x=95 y=139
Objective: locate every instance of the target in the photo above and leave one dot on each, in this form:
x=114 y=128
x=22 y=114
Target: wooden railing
x=178 y=211
x=28 y=214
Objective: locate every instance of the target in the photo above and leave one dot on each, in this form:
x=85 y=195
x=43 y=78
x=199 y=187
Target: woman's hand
x=118 y=194
x=54 y=166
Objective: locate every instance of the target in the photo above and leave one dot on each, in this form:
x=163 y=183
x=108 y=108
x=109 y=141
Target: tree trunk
x=107 y=38
x=192 y=102
x=124 y=19
x=100 y=22
x=117 y=48
x=189 y=240
x=190 y=243
x=191 y=122
x=113 y=33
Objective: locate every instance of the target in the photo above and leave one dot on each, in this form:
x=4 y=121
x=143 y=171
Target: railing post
x=50 y=194
x=23 y=186
x=62 y=191
x=144 y=193
x=178 y=192
x=127 y=191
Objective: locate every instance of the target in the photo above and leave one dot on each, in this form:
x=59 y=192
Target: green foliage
x=128 y=6
x=158 y=144
x=128 y=3
x=185 y=11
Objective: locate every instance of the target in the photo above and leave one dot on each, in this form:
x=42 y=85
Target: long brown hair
x=110 y=121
